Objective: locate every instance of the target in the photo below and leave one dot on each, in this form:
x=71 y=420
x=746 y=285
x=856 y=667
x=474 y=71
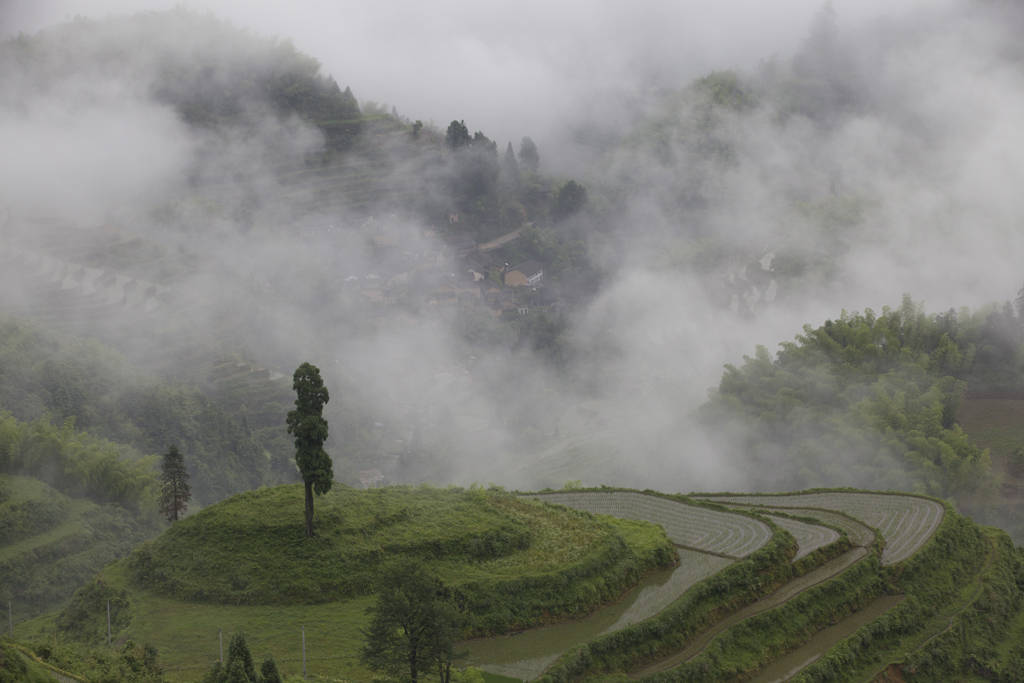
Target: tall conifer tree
x=174 y=489
x=309 y=427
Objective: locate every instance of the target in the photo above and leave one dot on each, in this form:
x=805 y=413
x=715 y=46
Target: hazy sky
x=507 y=67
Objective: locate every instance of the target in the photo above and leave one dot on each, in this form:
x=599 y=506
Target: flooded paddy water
x=786 y=667
x=789 y=590
x=525 y=655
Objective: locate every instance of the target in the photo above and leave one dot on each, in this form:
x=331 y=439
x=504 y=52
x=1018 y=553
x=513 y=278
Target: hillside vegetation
x=251 y=550
x=959 y=588
x=947 y=602
x=875 y=398
x=51 y=543
x=83 y=383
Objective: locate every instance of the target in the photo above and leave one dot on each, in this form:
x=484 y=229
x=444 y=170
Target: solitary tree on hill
x=309 y=427
x=174 y=489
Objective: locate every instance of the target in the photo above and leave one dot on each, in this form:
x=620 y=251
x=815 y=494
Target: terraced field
x=777 y=598
x=690 y=526
x=905 y=522
x=809 y=537
x=737 y=603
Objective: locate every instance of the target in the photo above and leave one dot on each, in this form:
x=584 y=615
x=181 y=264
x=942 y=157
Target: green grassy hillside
x=906 y=584
x=15 y=667
x=251 y=549
x=244 y=565
x=51 y=543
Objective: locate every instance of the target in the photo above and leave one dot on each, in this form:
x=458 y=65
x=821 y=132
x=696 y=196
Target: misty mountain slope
x=826 y=167
x=51 y=543
x=229 y=427
x=875 y=398
x=272 y=220
x=279 y=220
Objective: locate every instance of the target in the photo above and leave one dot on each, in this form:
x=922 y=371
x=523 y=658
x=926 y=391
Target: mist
x=880 y=153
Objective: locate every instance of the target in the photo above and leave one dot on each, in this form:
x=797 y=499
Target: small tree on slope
x=174 y=489
x=309 y=427
x=414 y=627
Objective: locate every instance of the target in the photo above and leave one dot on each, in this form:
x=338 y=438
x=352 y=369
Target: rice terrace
x=576 y=584
x=504 y=342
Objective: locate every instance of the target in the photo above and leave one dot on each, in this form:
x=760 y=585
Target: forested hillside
x=394 y=222
x=875 y=398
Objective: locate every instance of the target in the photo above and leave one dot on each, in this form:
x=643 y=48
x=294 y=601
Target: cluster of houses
x=448 y=271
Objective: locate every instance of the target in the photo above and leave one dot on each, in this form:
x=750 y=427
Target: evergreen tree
x=240 y=658
x=570 y=198
x=239 y=667
x=510 y=167
x=174 y=489
x=457 y=135
x=269 y=671
x=528 y=155
x=309 y=427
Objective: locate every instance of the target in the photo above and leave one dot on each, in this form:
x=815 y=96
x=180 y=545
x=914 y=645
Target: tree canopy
x=175 y=492
x=864 y=400
x=414 y=627
x=307 y=425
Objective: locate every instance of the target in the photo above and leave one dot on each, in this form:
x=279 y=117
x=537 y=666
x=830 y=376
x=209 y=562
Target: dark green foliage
x=269 y=673
x=74 y=462
x=569 y=199
x=878 y=393
x=222 y=449
x=26 y=518
x=139 y=663
x=240 y=657
x=414 y=627
x=136 y=413
x=457 y=135
x=236 y=672
x=174 y=489
x=85 y=617
x=216 y=674
x=239 y=667
x=71 y=547
x=131 y=664
x=16 y=668
x=307 y=425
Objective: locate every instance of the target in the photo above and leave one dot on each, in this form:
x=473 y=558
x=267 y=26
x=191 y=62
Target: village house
x=528 y=273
